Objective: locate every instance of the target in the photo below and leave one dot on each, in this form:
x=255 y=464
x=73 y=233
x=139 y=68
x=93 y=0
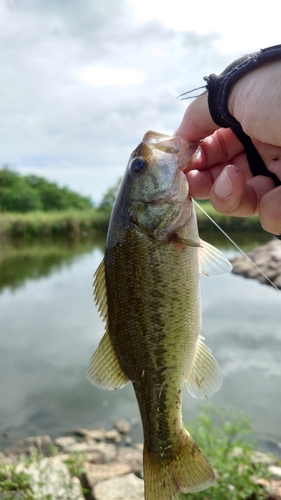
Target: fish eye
x=138 y=165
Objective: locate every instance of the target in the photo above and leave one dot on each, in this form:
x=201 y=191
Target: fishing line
x=184 y=96
x=235 y=244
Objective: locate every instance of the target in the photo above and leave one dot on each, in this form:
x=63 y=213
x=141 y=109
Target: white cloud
x=247 y=26
x=52 y=119
x=104 y=76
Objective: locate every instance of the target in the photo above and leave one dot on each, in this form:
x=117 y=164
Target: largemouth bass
x=147 y=291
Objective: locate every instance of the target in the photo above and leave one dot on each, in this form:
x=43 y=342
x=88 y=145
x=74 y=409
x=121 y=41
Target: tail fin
x=185 y=471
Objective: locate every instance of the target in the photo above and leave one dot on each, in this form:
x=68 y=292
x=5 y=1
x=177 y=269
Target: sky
x=82 y=81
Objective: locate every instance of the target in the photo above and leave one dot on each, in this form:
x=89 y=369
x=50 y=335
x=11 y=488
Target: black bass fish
x=147 y=291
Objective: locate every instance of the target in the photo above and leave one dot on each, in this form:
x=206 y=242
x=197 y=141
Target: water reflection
x=31 y=259
x=49 y=328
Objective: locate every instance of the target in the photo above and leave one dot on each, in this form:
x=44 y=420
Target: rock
x=275 y=490
x=123 y=426
x=131 y=456
x=113 y=435
x=127 y=440
x=127 y=487
x=96 y=434
x=64 y=441
x=107 y=451
x=97 y=473
x=43 y=444
x=258 y=457
x=50 y=479
x=95 y=457
x=264 y=483
x=5 y=460
x=267 y=258
x=274 y=470
x=271 y=487
x=277 y=281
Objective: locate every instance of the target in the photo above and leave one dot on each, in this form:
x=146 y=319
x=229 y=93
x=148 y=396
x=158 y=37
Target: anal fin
x=204 y=378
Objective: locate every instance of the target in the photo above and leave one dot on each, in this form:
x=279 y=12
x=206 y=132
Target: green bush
x=16 y=195
x=54 y=198
x=28 y=193
x=227 y=441
x=13 y=484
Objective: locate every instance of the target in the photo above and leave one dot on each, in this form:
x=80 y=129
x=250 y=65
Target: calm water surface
x=49 y=328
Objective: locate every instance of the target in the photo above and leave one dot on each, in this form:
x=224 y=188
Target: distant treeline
x=27 y=193
x=30 y=206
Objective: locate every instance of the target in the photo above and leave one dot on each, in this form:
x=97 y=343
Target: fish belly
x=154 y=321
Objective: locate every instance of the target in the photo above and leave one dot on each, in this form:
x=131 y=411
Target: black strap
x=219 y=86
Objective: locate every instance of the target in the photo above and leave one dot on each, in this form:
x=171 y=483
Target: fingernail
x=198 y=153
x=223 y=185
x=197 y=156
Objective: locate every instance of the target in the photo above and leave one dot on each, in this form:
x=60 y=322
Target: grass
x=14 y=484
x=29 y=479
x=76 y=222
x=226 y=222
x=228 y=442
x=38 y=224
x=226 y=439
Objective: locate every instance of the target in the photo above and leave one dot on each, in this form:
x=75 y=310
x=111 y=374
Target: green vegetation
x=226 y=440
x=14 y=484
x=75 y=462
x=22 y=259
x=226 y=222
x=29 y=478
x=107 y=202
x=30 y=206
x=38 y=224
x=27 y=193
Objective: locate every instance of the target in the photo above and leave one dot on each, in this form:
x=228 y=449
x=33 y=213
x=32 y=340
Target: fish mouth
x=170 y=153
x=174 y=145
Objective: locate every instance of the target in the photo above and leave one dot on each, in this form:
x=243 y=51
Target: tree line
x=26 y=193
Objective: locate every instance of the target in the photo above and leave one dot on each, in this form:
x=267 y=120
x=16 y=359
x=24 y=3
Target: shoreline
x=100 y=464
x=49 y=224
x=78 y=222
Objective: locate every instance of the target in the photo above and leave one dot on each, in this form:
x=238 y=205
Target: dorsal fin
x=100 y=290
x=104 y=369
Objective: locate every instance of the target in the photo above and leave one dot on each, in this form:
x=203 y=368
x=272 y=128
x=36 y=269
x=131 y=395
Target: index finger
x=197 y=122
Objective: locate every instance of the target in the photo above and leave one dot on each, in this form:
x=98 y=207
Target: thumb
x=232 y=194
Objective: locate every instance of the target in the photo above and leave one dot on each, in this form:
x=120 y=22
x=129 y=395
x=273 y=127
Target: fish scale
x=147 y=290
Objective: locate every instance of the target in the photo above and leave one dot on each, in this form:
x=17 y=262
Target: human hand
x=220 y=170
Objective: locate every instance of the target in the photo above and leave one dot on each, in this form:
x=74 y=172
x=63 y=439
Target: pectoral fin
x=104 y=370
x=205 y=377
x=211 y=260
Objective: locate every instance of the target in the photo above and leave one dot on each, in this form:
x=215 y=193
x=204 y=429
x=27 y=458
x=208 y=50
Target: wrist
x=255 y=101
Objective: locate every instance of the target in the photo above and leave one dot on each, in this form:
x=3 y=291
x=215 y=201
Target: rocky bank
x=95 y=465
x=267 y=257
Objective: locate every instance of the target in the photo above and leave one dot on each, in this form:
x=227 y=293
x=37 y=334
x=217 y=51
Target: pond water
x=49 y=328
